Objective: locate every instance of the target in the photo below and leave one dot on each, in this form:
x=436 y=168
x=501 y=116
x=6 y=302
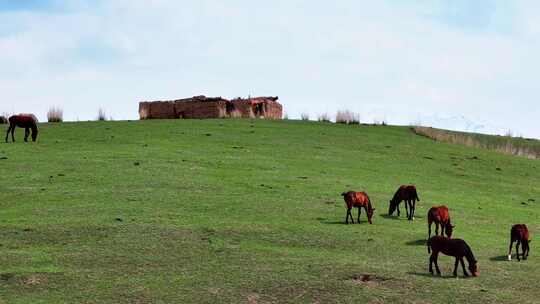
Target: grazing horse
x=441 y=217
x=26 y=121
x=407 y=194
x=452 y=247
x=519 y=234
x=357 y=200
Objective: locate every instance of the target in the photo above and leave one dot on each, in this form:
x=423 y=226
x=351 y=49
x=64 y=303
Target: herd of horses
x=407 y=193
x=439 y=215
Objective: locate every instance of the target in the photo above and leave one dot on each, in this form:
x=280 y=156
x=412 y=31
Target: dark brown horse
x=441 y=217
x=26 y=121
x=408 y=194
x=357 y=200
x=452 y=247
x=520 y=235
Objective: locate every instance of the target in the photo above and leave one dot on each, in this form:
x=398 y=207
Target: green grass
x=237 y=211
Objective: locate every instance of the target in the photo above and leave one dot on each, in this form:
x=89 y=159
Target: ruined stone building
x=211 y=107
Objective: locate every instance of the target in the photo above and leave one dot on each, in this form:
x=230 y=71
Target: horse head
x=473 y=268
x=392 y=207
x=370 y=212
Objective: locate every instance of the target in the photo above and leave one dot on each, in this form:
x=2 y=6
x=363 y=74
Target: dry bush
x=304 y=116
x=504 y=144
x=285 y=116
x=324 y=117
x=4 y=118
x=55 y=114
x=347 y=117
x=102 y=116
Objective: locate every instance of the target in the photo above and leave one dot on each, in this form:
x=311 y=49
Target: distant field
x=249 y=211
x=519 y=146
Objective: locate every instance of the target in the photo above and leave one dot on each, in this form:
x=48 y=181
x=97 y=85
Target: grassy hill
x=241 y=211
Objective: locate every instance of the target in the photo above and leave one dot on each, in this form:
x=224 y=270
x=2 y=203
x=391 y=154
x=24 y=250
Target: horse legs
x=406 y=210
x=465 y=273
x=398 y=213
x=358 y=219
x=510 y=250
x=7 y=133
x=443 y=226
x=455 y=266
x=517 y=249
x=435 y=256
x=431 y=264
x=13 y=133
x=347 y=217
x=413 y=208
x=436 y=228
x=26 y=133
x=429 y=230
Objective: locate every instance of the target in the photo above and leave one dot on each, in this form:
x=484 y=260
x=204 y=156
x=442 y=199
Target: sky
x=458 y=64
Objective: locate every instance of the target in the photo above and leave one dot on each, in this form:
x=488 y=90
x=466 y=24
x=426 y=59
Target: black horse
x=26 y=121
x=407 y=194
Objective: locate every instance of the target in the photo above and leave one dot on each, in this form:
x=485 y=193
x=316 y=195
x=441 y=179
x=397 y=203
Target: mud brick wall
x=211 y=107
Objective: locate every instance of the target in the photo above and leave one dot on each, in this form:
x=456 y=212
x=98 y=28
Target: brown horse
x=408 y=194
x=441 y=217
x=452 y=247
x=357 y=200
x=519 y=234
x=26 y=121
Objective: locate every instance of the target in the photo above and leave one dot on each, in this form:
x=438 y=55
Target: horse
x=357 y=200
x=408 y=194
x=457 y=248
x=520 y=234
x=26 y=121
x=441 y=217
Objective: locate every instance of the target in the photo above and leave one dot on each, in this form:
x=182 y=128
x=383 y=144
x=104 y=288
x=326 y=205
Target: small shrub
x=324 y=117
x=102 y=116
x=55 y=114
x=347 y=117
x=304 y=116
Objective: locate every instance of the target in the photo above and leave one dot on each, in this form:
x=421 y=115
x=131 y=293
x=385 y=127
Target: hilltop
x=239 y=210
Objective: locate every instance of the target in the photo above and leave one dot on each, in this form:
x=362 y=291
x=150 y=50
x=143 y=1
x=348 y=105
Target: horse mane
x=395 y=197
x=469 y=255
x=370 y=207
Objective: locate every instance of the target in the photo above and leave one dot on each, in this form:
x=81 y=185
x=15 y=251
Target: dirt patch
x=369 y=280
x=376 y=281
x=34 y=280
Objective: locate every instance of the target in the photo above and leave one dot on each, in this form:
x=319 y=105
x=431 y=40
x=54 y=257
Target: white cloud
x=408 y=61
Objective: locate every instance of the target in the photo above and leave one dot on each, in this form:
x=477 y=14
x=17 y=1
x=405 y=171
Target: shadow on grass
x=499 y=258
x=421 y=242
x=334 y=222
x=402 y=217
x=390 y=217
x=429 y=275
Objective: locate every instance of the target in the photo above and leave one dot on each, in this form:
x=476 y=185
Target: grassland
x=242 y=211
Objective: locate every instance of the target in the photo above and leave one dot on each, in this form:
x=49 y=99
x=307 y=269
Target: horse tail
x=416 y=195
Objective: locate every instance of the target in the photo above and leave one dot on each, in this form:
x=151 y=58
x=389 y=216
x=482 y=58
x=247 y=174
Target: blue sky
x=459 y=64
